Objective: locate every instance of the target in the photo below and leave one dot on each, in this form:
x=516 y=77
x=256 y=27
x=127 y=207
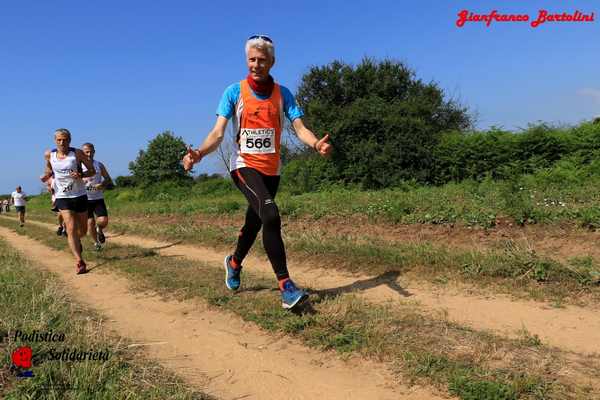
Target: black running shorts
x=76 y=204
x=97 y=207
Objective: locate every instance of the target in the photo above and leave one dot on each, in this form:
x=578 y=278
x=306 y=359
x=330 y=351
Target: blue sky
x=118 y=73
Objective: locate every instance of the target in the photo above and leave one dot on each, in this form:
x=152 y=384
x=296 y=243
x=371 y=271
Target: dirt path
x=569 y=328
x=215 y=351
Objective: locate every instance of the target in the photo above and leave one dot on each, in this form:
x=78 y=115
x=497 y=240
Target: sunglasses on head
x=263 y=37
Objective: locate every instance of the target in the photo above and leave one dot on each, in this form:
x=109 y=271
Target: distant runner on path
x=257 y=106
x=95 y=185
x=19 y=199
x=64 y=163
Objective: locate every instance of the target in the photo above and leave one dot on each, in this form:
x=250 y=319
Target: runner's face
x=259 y=64
x=62 y=141
x=89 y=151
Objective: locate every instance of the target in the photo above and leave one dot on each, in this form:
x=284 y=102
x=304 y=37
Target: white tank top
x=90 y=183
x=18 y=198
x=66 y=187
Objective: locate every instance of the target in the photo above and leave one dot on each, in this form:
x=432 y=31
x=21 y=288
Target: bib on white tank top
x=66 y=187
x=91 y=182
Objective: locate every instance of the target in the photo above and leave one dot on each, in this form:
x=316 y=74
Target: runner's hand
x=45 y=178
x=75 y=174
x=190 y=158
x=322 y=147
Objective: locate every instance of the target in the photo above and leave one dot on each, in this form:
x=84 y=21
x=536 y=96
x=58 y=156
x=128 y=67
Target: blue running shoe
x=291 y=295
x=232 y=275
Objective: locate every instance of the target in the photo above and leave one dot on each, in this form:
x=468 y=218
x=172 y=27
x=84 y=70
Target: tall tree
x=161 y=161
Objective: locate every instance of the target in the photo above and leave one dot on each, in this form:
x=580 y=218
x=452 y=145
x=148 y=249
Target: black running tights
x=260 y=191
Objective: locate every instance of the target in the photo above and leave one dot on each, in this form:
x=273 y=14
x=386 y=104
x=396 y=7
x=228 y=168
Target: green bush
x=213 y=186
x=125 y=181
x=128 y=195
x=161 y=161
x=307 y=174
x=502 y=154
x=384 y=122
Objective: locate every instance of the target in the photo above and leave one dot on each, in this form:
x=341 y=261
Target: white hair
x=261 y=44
x=63 y=131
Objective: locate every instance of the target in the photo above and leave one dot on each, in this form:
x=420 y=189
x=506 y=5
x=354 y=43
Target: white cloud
x=589 y=92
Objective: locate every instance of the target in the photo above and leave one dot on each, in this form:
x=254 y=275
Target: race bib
x=65 y=188
x=257 y=140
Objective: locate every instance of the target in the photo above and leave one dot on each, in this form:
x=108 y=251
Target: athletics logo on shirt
x=257 y=140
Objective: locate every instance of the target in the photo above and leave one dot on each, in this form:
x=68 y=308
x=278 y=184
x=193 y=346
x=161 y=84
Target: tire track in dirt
x=569 y=328
x=218 y=352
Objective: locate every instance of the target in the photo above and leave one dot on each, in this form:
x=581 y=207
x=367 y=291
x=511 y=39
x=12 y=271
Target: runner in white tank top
x=65 y=164
x=97 y=211
x=93 y=185
x=67 y=171
x=19 y=199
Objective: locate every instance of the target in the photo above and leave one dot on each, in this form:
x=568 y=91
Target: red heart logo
x=21 y=357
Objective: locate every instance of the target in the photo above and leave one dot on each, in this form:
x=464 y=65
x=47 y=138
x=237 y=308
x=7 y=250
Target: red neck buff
x=261 y=88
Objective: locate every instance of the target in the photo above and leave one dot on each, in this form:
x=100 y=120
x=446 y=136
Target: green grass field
x=561 y=194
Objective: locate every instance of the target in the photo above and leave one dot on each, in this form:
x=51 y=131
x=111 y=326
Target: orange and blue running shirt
x=257 y=124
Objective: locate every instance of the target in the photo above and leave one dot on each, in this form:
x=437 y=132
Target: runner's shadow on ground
x=258 y=288
x=305 y=308
x=108 y=259
x=388 y=279
x=142 y=254
x=166 y=245
x=97 y=266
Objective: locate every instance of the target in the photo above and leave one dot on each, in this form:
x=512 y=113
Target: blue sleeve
x=228 y=101
x=291 y=109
